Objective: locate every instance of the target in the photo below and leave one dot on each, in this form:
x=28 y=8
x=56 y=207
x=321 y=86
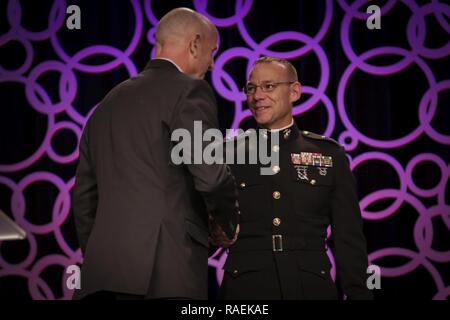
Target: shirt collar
x=171 y=61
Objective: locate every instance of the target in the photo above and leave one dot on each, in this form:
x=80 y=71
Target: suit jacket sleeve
x=214 y=181
x=348 y=238
x=85 y=194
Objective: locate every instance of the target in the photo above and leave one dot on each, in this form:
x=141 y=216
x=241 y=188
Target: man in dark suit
x=281 y=250
x=142 y=221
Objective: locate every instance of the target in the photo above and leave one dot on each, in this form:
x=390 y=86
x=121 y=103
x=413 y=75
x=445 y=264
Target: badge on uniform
x=303 y=160
x=312 y=159
x=302 y=172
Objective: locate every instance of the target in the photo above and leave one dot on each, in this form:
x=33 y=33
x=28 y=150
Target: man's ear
x=194 y=46
x=296 y=91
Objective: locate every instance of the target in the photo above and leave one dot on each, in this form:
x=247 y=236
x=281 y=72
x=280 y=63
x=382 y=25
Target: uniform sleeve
x=348 y=239
x=85 y=194
x=213 y=181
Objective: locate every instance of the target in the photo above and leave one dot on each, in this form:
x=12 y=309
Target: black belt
x=279 y=243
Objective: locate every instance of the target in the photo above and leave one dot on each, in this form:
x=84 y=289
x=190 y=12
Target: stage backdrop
x=382 y=93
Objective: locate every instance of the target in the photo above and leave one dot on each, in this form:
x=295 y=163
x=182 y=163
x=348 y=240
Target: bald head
x=179 y=25
x=188 y=39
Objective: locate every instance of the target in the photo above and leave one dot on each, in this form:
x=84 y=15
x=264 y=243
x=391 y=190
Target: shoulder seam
x=315 y=136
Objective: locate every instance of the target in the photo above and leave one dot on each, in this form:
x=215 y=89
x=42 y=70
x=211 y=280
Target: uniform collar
x=286 y=134
x=284 y=128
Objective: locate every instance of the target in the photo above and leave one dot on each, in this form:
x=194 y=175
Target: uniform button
x=305 y=133
x=235 y=271
x=276 y=222
x=242 y=185
x=276 y=195
x=313 y=181
x=276 y=148
x=276 y=169
x=322 y=271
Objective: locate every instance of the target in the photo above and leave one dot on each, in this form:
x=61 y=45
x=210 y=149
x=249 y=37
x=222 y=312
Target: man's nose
x=259 y=94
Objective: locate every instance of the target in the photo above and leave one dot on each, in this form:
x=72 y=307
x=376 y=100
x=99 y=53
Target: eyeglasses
x=250 y=88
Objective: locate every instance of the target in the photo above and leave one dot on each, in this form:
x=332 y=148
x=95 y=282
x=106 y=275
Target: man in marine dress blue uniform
x=281 y=250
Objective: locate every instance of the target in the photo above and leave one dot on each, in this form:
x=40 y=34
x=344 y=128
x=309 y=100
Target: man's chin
x=262 y=122
x=263 y=125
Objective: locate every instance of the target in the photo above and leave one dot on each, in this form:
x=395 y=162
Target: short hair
x=292 y=72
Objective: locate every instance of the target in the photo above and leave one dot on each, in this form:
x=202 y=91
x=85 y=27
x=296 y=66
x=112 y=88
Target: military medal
x=295 y=158
x=306 y=158
x=327 y=161
x=316 y=159
x=312 y=159
x=302 y=172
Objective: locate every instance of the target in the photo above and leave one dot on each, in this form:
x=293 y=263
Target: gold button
x=313 y=182
x=276 y=148
x=322 y=271
x=276 y=222
x=242 y=185
x=276 y=195
x=305 y=133
x=276 y=169
x=235 y=271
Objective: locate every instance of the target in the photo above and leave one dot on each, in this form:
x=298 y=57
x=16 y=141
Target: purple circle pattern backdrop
x=32 y=267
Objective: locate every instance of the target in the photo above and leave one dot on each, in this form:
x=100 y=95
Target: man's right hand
x=218 y=237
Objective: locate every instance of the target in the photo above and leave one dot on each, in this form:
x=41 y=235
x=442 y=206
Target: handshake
x=220 y=238
x=223 y=214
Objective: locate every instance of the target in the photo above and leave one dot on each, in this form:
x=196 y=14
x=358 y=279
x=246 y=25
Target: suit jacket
x=142 y=222
x=281 y=250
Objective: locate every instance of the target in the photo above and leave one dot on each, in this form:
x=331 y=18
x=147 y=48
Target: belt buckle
x=277 y=243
